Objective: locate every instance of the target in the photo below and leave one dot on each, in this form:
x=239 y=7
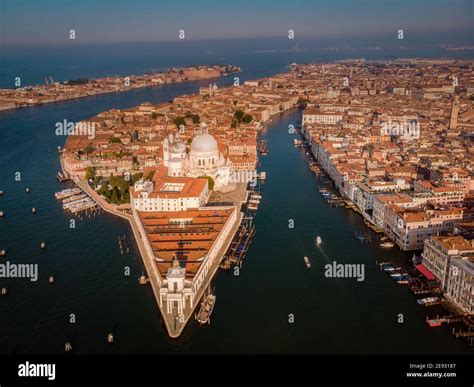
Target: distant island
x=53 y=91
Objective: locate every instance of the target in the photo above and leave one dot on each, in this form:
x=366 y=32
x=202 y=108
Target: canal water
x=274 y=305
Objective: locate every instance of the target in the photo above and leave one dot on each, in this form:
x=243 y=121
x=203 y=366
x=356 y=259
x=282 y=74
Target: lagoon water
x=254 y=309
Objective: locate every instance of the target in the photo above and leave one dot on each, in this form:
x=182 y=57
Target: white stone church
x=203 y=158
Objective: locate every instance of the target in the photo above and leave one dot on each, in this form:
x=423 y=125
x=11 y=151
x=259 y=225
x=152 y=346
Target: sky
x=33 y=22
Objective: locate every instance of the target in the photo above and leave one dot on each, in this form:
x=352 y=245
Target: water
x=252 y=311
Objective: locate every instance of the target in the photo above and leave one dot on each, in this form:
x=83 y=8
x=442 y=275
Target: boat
x=434 y=323
x=307 y=262
x=262 y=175
x=254 y=201
x=390 y=268
x=387 y=245
x=205 y=311
x=318 y=240
x=427 y=300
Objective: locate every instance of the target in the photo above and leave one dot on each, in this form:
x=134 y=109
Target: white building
x=203 y=159
x=169 y=193
x=315 y=116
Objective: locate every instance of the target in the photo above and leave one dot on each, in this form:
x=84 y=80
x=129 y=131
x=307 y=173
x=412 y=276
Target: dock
x=63 y=176
x=75 y=200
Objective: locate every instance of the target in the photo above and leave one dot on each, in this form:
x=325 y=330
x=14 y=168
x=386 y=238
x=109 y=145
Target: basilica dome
x=204 y=143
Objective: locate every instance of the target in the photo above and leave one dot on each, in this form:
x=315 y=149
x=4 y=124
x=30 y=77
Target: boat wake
x=323 y=253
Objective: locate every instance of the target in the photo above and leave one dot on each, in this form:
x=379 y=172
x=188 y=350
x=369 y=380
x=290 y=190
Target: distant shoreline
x=51 y=91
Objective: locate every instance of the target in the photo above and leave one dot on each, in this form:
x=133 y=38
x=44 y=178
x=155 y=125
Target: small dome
x=204 y=143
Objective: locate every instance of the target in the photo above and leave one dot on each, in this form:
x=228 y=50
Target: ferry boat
x=427 y=300
x=205 y=311
x=387 y=245
x=307 y=262
x=262 y=175
x=318 y=240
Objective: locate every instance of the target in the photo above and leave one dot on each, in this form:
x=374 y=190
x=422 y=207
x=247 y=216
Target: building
x=315 y=116
x=453 y=121
x=185 y=246
x=409 y=227
x=203 y=159
x=438 y=252
x=451 y=260
x=460 y=286
x=165 y=193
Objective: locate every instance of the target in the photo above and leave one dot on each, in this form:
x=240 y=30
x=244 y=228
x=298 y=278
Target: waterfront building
x=409 y=227
x=460 y=286
x=451 y=260
x=316 y=116
x=438 y=251
x=186 y=247
x=381 y=202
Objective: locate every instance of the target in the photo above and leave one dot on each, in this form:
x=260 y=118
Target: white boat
x=318 y=240
x=262 y=175
x=387 y=245
x=307 y=262
x=205 y=311
x=427 y=300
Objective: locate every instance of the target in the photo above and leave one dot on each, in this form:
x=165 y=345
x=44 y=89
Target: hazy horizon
x=30 y=23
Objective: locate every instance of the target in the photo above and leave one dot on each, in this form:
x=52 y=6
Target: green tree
x=122 y=184
x=112 y=180
x=247 y=119
x=114 y=140
x=96 y=181
x=179 y=121
x=88 y=149
x=238 y=115
x=154 y=115
x=115 y=196
x=90 y=173
x=150 y=175
x=210 y=181
x=195 y=117
x=136 y=177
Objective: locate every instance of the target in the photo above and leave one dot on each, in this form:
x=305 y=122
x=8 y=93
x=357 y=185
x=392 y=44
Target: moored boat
x=387 y=245
x=205 y=311
x=427 y=300
x=433 y=323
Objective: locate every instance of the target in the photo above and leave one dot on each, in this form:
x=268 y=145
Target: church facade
x=203 y=159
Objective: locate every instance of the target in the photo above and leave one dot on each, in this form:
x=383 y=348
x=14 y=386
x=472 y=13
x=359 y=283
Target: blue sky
x=48 y=21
